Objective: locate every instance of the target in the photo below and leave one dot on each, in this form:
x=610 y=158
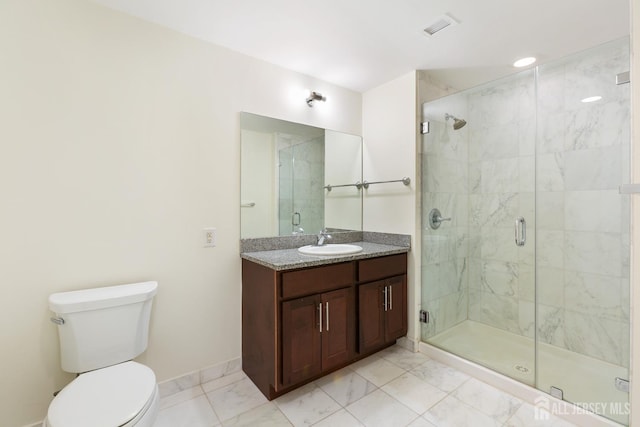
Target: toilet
x=101 y=330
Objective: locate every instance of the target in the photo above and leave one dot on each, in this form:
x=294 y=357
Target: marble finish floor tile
x=440 y=375
x=421 y=422
x=392 y=388
x=402 y=357
x=307 y=405
x=222 y=381
x=528 y=416
x=342 y=418
x=413 y=392
x=264 y=415
x=377 y=370
x=378 y=409
x=345 y=386
x=487 y=399
x=196 y=412
x=450 y=412
x=234 y=399
x=181 y=396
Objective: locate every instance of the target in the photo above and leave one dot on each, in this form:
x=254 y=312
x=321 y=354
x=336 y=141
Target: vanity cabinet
x=382 y=321
x=317 y=334
x=300 y=324
x=382 y=301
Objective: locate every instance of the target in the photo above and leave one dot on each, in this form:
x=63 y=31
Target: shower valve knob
x=436 y=219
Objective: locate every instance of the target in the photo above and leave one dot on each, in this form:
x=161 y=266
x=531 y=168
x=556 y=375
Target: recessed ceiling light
x=592 y=99
x=524 y=62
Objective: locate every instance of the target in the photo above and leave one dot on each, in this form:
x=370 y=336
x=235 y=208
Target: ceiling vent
x=439 y=24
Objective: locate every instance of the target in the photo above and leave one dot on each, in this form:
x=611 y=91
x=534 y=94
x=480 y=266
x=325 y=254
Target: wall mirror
x=294 y=178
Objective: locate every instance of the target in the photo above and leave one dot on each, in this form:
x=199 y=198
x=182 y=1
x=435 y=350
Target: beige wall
x=258 y=185
x=342 y=165
x=389 y=125
x=119 y=142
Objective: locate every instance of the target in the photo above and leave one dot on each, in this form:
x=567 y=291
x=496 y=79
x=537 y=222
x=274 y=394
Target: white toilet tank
x=101 y=327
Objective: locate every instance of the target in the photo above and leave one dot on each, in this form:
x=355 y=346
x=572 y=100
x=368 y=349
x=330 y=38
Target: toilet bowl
x=101 y=330
x=121 y=395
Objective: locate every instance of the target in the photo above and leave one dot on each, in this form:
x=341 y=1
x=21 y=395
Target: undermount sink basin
x=330 y=249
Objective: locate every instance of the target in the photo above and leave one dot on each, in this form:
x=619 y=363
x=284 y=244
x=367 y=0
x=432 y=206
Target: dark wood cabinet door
x=396 y=314
x=371 y=312
x=301 y=339
x=338 y=330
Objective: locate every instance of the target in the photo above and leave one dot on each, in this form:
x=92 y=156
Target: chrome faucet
x=322 y=237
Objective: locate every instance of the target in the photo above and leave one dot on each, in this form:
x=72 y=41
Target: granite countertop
x=289 y=259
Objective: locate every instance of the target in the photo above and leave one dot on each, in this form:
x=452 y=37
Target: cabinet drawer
x=317 y=280
x=379 y=268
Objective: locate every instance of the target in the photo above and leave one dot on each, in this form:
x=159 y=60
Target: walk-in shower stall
x=525 y=235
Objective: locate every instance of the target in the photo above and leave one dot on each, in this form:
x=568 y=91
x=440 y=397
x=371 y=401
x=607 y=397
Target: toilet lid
x=105 y=397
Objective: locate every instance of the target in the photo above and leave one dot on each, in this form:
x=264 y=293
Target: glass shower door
x=300 y=184
x=478 y=268
x=583 y=147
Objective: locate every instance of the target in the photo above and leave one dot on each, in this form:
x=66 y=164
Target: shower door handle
x=521 y=231
x=295 y=219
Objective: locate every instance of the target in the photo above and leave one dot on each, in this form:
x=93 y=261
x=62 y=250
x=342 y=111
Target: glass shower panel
x=445 y=290
x=308 y=184
x=478 y=283
x=583 y=147
x=300 y=184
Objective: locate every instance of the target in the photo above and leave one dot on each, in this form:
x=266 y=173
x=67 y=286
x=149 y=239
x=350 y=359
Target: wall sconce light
x=315 y=96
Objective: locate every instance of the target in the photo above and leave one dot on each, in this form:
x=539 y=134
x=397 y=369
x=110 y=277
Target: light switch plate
x=209 y=237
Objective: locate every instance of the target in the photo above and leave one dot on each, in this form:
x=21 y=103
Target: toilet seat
x=110 y=397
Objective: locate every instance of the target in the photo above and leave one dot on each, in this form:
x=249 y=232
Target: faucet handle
x=322 y=237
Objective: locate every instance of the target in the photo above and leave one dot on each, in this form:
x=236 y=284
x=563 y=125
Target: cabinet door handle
x=385 y=298
x=327 y=316
x=390 y=297
x=320 y=314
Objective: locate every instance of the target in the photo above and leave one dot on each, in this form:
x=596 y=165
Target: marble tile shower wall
x=540 y=153
x=301 y=182
x=583 y=221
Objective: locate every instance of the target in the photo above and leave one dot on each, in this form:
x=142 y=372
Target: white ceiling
x=360 y=44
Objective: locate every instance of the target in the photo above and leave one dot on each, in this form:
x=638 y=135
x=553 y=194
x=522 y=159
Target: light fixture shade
x=315 y=96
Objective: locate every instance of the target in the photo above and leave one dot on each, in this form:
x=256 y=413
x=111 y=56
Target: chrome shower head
x=457 y=123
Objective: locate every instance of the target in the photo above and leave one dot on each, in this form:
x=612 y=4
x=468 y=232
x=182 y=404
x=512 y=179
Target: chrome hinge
x=424 y=128
x=622 y=384
x=622 y=78
x=424 y=316
x=556 y=392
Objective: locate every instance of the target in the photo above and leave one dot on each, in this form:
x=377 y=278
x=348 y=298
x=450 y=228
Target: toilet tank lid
x=97 y=298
